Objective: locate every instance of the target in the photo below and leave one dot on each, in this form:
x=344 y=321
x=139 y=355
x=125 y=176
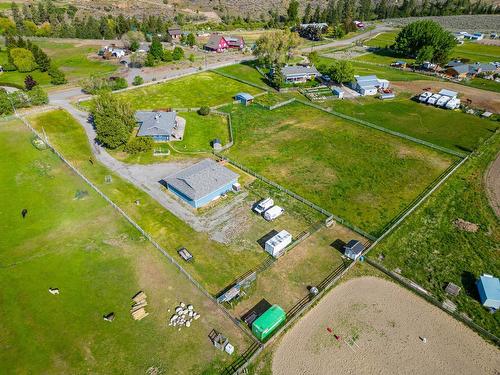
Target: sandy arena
x=386 y=322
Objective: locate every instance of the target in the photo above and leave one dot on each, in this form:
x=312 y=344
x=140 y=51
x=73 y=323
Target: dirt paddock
x=385 y=322
x=480 y=98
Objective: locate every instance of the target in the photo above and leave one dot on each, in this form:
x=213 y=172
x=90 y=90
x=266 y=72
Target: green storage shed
x=268 y=322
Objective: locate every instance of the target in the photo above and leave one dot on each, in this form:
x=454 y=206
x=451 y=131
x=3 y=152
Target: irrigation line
x=142 y=231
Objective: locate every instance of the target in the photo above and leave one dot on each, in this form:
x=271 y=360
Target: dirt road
x=384 y=322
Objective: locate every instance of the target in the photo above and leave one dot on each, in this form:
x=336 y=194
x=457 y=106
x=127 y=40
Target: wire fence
x=142 y=231
x=298 y=197
x=385 y=130
x=432 y=299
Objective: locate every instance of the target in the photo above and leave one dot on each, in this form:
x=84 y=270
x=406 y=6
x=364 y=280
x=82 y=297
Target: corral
x=381 y=328
x=355 y=172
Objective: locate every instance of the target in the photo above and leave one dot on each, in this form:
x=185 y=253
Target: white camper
x=264 y=205
x=442 y=101
x=433 y=99
x=273 y=213
x=276 y=244
x=453 y=103
x=424 y=96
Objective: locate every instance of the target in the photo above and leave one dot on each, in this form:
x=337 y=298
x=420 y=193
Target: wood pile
x=138 y=310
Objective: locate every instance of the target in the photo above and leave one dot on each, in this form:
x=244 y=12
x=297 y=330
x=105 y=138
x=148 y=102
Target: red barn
x=221 y=43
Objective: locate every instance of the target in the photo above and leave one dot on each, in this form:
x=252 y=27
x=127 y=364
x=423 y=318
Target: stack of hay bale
x=138 y=308
x=183 y=316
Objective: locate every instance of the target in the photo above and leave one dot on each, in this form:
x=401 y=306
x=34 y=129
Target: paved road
x=346 y=42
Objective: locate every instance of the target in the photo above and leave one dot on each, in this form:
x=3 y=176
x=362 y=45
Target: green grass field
x=98 y=261
x=215 y=264
x=386 y=72
x=382 y=40
x=245 y=71
x=451 y=129
x=477 y=52
x=201 y=131
x=360 y=174
x=70 y=58
x=485 y=84
x=430 y=250
x=196 y=90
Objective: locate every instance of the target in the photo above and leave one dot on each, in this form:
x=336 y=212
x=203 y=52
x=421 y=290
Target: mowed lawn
x=450 y=129
x=245 y=71
x=477 y=52
x=72 y=59
x=360 y=174
x=215 y=264
x=429 y=249
x=98 y=261
x=202 y=89
x=201 y=131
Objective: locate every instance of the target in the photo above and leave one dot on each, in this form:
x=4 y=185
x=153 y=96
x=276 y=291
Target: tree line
x=44 y=18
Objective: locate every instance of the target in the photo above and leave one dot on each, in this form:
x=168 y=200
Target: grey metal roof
x=174 y=31
x=449 y=93
x=213 y=41
x=298 y=70
x=201 y=179
x=355 y=246
x=244 y=95
x=155 y=123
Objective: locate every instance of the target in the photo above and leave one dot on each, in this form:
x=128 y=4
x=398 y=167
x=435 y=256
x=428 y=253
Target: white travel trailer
x=424 y=96
x=276 y=244
x=442 y=101
x=433 y=99
x=454 y=103
x=273 y=213
x=264 y=205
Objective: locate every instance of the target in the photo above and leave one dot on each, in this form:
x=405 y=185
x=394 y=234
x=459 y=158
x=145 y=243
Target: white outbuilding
x=276 y=244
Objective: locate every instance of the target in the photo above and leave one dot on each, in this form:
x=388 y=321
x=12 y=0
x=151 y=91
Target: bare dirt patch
x=386 y=323
x=480 y=99
x=492 y=181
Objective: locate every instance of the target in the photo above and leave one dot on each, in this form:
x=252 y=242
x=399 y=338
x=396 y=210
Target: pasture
x=360 y=174
x=245 y=71
x=79 y=244
x=216 y=263
x=202 y=89
x=450 y=129
x=71 y=58
x=432 y=251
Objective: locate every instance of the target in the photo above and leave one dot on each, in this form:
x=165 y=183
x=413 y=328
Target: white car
x=424 y=96
x=263 y=205
x=273 y=213
x=442 y=101
x=433 y=99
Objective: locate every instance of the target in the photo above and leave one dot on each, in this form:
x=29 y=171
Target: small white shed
x=276 y=244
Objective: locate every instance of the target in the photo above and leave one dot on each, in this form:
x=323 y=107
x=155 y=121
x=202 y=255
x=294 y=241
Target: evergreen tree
x=29 y=82
x=156 y=49
x=317 y=14
x=307 y=14
x=365 y=9
x=293 y=12
x=348 y=15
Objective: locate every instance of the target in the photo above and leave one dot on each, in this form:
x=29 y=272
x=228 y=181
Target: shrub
x=57 y=77
x=204 y=111
x=29 y=82
x=118 y=83
x=178 y=54
x=23 y=59
x=5 y=104
x=138 y=80
x=139 y=144
x=37 y=96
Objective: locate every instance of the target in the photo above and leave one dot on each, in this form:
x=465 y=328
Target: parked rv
x=453 y=103
x=424 y=96
x=433 y=99
x=273 y=213
x=263 y=205
x=442 y=101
